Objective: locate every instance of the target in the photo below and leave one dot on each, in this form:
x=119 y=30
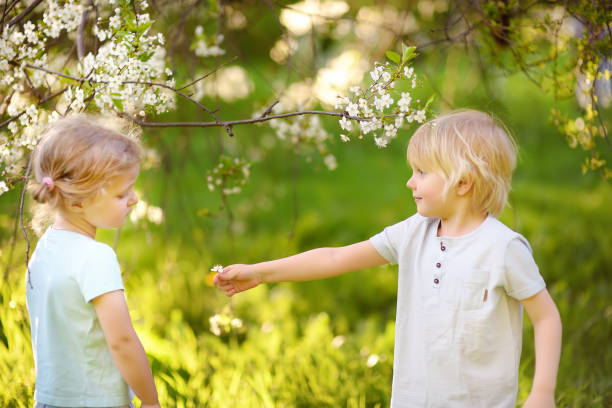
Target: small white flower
x=13 y=127
x=3 y=187
x=217 y=268
x=404 y=102
x=346 y=124
x=114 y=22
x=330 y=162
x=341 y=102
x=372 y=360
x=386 y=76
x=345 y=138
x=352 y=109
x=338 y=341
x=381 y=141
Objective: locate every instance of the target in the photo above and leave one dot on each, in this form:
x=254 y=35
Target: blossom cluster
x=304 y=133
x=225 y=324
x=376 y=110
x=204 y=46
x=229 y=175
x=117 y=75
x=146 y=211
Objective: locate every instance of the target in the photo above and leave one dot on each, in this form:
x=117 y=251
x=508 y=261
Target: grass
x=314 y=344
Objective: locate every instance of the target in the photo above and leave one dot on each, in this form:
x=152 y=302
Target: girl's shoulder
x=77 y=243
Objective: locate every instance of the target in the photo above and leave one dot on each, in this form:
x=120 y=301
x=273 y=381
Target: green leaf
x=393 y=56
x=118 y=104
x=144 y=57
x=429 y=101
x=408 y=53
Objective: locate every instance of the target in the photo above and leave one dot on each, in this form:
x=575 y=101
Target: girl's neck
x=67 y=222
x=460 y=224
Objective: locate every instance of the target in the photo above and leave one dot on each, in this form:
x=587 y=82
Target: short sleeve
x=523 y=278
x=389 y=240
x=100 y=273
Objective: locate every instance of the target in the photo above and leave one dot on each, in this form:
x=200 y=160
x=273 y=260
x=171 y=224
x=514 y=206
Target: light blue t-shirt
x=74 y=367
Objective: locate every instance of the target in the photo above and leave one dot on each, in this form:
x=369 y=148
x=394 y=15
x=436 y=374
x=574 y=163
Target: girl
x=464 y=277
x=85 y=348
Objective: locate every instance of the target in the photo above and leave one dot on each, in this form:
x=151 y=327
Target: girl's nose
x=133 y=199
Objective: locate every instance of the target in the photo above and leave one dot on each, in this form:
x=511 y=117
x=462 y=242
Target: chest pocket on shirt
x=473 y=289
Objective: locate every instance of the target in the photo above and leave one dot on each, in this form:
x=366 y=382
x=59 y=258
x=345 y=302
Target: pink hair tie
x=48 y=181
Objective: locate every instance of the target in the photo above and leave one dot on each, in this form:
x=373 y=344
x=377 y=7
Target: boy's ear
x=464 y=185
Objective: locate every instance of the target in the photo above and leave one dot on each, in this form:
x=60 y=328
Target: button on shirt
x=458 y=329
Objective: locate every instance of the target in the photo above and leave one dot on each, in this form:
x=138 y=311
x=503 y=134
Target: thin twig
x=208 y=74
x=269 y=110
x=239 y=122
x=25 y=233
x=24 y=13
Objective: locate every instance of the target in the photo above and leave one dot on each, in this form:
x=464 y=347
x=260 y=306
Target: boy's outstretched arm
x=310 y=265
x=546 y=322
x=125 y=347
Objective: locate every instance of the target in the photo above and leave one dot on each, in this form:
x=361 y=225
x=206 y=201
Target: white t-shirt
x=74 y=367
x=458 y=328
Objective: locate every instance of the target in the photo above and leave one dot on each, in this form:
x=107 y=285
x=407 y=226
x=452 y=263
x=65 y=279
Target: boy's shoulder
x=501 y=234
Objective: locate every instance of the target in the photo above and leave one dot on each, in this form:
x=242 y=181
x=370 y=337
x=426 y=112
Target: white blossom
x=352 y=109
x=346 y=124
x=330 y=162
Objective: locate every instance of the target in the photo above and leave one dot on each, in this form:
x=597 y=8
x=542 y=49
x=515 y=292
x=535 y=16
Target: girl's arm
x=125 y=347
x=310 y=265
x=546 y=322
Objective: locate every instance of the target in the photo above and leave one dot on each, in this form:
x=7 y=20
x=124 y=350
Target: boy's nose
x=410 y=183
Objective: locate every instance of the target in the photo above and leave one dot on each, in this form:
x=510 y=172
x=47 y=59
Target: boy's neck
x=461 y=223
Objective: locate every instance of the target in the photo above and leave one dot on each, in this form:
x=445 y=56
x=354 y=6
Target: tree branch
x=24 y=13
x=81 y=33
x=231 y=123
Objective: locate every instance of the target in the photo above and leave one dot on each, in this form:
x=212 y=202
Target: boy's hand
x=237 y=278
x=540 y=400
x=150 y=406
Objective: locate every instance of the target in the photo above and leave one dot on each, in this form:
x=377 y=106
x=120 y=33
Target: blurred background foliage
x=326 y=343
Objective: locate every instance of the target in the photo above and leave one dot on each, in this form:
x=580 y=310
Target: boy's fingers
x=229 y=272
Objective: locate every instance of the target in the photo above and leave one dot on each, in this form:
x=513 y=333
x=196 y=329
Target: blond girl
x=86 y=351
x=464 y=277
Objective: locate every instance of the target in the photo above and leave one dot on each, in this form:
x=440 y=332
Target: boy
x=463 y=275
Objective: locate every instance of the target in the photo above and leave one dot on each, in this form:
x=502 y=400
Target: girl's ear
x=76 y=207
x=464 y=185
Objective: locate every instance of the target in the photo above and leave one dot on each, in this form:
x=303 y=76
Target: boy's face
x=428 y=190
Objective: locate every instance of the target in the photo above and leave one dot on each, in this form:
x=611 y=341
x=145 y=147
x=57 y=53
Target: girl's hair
x=472 y=145
x=75 y=157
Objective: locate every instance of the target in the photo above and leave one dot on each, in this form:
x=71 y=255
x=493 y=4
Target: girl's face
x=428 y=192
x=110 y=207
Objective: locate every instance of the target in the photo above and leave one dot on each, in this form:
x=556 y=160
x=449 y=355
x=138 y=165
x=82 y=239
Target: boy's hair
x=75 y=157
x=472 y=145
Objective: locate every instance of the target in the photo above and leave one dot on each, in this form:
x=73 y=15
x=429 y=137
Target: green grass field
x=326 y=343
